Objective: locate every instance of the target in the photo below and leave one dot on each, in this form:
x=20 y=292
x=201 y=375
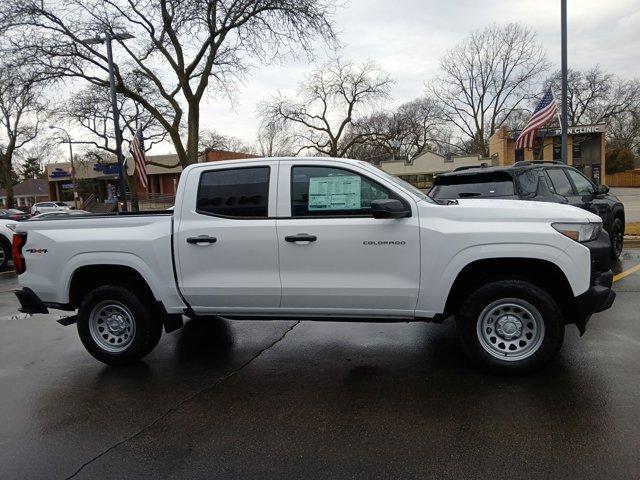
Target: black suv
x=539 y=181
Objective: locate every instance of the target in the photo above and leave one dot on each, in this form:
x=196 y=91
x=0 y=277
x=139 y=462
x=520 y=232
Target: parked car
x=13 y=214
x=7 y=229
x=320 y=238
x=537 y=181
x=60 y=214
x=43 y=207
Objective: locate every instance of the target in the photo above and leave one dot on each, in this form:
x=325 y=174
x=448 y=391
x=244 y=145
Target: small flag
x=543 y=114
x=136 y=147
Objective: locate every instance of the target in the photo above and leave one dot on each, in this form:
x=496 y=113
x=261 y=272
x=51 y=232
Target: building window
x=236 y=192
x=557 y=148
x=577 y=150
x=519 y=154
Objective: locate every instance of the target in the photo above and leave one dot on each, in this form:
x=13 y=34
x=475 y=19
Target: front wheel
x=116 y=326
x=617 y=238
x=510 y=326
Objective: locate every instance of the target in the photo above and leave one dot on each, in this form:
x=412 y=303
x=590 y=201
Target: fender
x=109 y=258
x=574 y=264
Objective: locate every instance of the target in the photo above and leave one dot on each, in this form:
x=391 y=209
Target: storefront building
x=421 y=169
x=586 y=150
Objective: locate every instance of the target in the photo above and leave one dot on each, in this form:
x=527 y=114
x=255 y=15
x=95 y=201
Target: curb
x=631 y=242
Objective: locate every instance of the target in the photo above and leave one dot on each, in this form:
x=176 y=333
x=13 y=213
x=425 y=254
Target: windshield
x=405 y=185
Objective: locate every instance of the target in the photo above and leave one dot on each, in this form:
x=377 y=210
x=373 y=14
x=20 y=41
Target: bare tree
x=413 y=127
x=595 y=96
x=328 y=103
x=181 y=49
x=275 y=139
x=487 y=77
x=212 y=140
x=91 y=110
x=623 y=131
x=20 y=115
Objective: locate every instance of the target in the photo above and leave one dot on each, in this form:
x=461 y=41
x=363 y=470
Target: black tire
x=484 y=350
x=145 y=326
x=617 y=238
x=5 y=254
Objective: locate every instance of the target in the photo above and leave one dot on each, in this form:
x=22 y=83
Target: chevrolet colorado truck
x=320 y=239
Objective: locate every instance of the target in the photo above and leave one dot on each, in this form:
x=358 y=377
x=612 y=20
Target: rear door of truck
x=225 y=243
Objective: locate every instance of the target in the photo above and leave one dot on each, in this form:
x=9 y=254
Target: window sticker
x=335 y=193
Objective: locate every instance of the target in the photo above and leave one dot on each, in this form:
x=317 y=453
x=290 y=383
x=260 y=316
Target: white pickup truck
x=319 y=238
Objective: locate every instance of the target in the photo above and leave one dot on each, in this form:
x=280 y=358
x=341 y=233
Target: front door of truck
x=335 y=258
x=226 y=244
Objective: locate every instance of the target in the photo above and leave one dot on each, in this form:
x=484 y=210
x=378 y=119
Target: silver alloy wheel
x=3 y=255
x=112 y=326
x=510 y=329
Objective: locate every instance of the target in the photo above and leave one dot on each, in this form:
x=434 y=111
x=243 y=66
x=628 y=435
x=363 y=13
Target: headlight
x=580 y=232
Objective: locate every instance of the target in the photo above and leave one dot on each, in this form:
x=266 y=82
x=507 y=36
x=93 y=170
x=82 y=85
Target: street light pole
x=564 y=123
x=116 y=125
x=73 y=168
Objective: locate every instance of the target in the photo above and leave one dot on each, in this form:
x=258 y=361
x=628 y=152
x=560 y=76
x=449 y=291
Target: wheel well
x=87 y=278
x=542 y=273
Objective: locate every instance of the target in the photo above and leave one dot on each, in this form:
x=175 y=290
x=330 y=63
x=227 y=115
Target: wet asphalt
x=284 y=399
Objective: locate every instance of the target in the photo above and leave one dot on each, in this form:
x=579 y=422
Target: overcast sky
x=407 y=38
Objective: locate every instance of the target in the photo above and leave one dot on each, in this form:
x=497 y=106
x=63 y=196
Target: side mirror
x=602 y=190
x=389 y=208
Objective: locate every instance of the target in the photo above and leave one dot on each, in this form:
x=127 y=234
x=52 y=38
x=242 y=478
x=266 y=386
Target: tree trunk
x=7 y=181
x=193 y=132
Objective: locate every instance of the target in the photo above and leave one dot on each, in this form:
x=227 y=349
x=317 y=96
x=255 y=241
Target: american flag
x=544 y=113
x=136 y=147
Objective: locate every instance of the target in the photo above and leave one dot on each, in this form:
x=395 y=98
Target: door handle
x=300 y=237
x=201 y=240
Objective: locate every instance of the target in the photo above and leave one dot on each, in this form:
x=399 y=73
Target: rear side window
x=235 y=192
x=559 y=181
x=474 y=186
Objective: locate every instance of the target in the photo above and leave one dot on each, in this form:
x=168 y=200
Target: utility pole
x=73 y=168
x=122 y=198
x=564 y=123
x=108 y=37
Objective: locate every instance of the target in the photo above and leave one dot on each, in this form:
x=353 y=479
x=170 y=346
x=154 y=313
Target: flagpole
x=564 y=123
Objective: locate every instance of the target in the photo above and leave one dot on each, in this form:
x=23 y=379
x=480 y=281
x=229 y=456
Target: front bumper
x=599 y=296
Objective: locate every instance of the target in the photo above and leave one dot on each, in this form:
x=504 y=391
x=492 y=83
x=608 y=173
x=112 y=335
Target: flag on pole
x=136 y=147
x=543 y=114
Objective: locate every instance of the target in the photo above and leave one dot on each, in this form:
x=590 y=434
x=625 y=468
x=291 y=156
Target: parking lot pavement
x=287 y=399
x=630 y=198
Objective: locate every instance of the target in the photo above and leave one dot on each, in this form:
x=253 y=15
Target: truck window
x=329 y=191
x=559 y=181
x=235 y=192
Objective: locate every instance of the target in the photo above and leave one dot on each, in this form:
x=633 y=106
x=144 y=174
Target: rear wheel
x=510 y=326
x=5 y=254
x=117 y=326
x=617 y=238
